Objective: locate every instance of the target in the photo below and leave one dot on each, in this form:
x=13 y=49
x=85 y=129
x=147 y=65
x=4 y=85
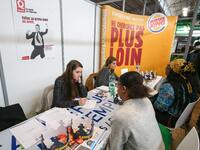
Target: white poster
x=34 y=25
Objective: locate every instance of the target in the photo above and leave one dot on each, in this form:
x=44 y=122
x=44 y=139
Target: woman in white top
x=134 y=126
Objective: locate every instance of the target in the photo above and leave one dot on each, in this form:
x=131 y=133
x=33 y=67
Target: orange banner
x=135 y=40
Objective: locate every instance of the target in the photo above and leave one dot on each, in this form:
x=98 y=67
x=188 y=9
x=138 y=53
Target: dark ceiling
x=136 y=6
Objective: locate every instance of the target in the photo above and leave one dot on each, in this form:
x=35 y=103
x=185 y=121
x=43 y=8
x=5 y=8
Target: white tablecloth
x=101 y=115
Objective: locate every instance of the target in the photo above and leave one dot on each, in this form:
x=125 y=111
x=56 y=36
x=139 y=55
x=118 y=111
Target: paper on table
x=103 y=140
x=55 y=116
x=103 y=88
x=28 y=133
x=90 y=104
x=124 y=70
x=94 y=140
x=153 y=82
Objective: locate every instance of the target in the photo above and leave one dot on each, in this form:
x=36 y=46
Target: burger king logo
x=157 y=23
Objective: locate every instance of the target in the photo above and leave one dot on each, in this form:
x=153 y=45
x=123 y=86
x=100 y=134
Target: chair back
x=90 y=82
x=190 y=142
x=11 y=115
x=185 y=114
x=49 y=98
x=46 y=100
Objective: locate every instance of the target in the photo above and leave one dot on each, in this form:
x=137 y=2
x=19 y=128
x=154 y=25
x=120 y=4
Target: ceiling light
x=185 y=11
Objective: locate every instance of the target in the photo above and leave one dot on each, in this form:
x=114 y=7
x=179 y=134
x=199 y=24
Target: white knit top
x=134 y=127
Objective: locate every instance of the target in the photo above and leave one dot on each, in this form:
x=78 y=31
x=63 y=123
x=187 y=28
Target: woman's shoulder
x=59 y=80
x=105 y=69
x=144 y=102
x=118 y=116
x=132 y=106
x=166 y=86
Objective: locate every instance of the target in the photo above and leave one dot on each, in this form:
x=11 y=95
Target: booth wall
x=26 y=80
x=78 y=31
x=97 y=39
x=2 y=104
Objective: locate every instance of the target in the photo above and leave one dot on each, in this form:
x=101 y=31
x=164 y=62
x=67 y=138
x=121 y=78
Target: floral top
x=166 y=98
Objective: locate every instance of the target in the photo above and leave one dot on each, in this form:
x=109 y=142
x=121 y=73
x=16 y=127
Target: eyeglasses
x=117 y=100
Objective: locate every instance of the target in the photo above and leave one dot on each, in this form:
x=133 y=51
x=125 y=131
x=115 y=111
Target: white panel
x=78 y=24
x=25 y=80
x=2 y=104
x=97 y=42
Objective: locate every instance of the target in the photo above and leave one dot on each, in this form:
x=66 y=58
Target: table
x=152 y=83
x=101 y=115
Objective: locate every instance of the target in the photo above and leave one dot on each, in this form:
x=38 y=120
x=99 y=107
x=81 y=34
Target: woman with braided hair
x=176 y=93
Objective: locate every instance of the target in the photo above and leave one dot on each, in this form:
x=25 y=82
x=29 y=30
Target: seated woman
x=69 y=86
x=134 y=124
x=106 y=72
x=176 y=93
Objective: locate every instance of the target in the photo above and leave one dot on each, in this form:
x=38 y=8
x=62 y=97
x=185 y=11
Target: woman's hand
x=82 y=101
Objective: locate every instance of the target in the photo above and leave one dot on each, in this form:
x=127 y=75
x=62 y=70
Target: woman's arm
x=165 y=98
x=82 y=90
x=103 y=77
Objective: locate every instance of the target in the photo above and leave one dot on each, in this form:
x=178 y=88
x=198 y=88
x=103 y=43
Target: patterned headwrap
x=180 y=66
x=177 y=64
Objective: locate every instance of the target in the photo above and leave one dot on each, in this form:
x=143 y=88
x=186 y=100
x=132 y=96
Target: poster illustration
x=34 y=29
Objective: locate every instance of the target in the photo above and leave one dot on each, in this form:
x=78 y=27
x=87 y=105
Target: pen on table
x=41 y=121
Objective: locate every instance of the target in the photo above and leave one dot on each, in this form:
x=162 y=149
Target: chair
x=190 y=142
x=185 y=114
x=11 y=115
x=49 y=99
x=90 y=82
x=46 y=101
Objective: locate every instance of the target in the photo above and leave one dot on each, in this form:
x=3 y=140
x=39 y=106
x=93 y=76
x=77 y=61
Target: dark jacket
x=60 y=94
x=194 y=58
x=32 y=35
x=103 y=77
